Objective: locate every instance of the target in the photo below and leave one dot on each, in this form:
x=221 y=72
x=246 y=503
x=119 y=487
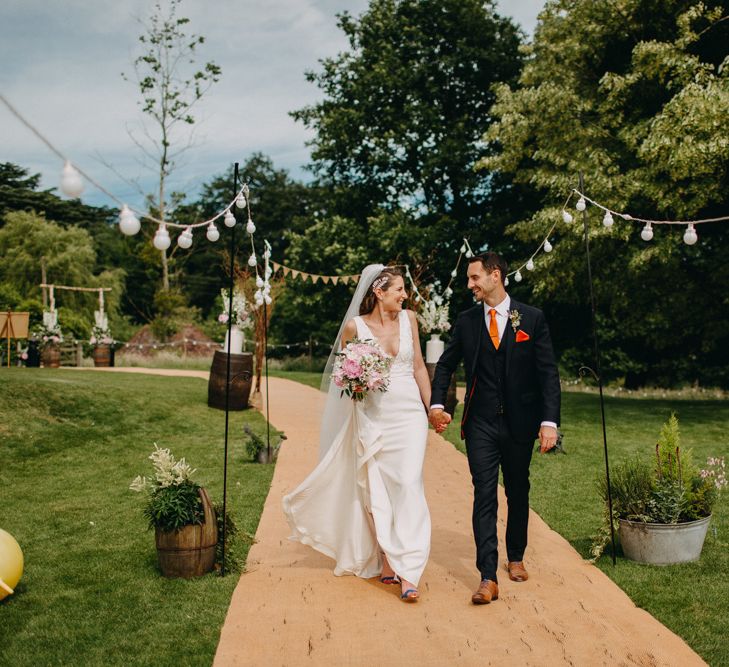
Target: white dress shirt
x=502 y=319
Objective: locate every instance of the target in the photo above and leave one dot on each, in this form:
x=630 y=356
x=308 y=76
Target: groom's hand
x=439 y=419
x=547 y=438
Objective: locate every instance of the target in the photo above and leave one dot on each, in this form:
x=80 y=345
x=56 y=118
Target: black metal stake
x=598 y=373
x=231 y=285
x=265 y=352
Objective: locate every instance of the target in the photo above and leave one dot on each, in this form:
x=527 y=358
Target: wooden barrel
x=190 y=551
x=241 y=374
x=102 y=356
x=51 y=356
x=451 y=399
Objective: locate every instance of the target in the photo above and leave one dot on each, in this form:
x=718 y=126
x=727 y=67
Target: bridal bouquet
x=361 y=367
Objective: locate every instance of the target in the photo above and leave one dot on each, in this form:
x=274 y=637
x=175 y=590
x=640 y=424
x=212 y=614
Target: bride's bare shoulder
x=349 y=331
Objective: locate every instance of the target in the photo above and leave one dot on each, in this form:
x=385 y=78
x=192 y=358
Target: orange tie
x=494 y=328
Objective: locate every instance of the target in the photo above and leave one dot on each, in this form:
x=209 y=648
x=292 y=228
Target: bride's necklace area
x=385 y=335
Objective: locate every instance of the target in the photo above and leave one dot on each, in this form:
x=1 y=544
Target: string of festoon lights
x=690 y=237
x=438 y=299
x=130 y=219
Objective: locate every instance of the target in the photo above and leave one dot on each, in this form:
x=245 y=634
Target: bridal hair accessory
x=379 y=282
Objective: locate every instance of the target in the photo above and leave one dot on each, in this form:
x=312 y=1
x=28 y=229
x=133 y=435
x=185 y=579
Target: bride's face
x=392 y=298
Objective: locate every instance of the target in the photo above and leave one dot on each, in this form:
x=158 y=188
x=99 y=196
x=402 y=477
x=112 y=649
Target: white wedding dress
x=366 y=494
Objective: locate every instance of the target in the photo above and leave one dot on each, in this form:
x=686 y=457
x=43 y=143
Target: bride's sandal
x=410 y=595
x=388 y=578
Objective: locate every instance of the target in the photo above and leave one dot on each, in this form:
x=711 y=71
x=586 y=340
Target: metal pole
x=597 y=374
x=265 y=352
x=231 y=285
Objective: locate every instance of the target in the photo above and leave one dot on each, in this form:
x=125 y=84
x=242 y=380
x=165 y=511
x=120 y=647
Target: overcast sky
x=61 y=68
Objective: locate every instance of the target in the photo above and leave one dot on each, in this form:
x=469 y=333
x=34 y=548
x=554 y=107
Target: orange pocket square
x=521 y=336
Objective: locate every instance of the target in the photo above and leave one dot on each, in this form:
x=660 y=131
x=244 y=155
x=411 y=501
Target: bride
x=364 y=504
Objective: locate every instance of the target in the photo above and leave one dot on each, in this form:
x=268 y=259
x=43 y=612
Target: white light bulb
x=71 y=182
x=128 y=223
x=240 y=201
x=252 y=261
x=184 y=240
x=448 y=292
x=608 y=219
x=213 y=234
x=229 y=219
x=581 y=204
x=469 y=254
x=463 y=249
x=530 y=265
x=547 y=246
x=250 y=227
x=267 y=299
x=690 y=236
x=517 y=276
x=454 y=273
x=161 y=239
x=647 y=232
x=567 y=217
x=259 y=282
x=506 y=281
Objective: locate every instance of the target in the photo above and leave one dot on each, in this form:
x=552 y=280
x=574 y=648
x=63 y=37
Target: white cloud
x=62 y=62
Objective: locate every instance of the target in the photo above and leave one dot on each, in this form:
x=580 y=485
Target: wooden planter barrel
x=102 y=356
x=241 y=374
x=190 y=551
x=51 y=356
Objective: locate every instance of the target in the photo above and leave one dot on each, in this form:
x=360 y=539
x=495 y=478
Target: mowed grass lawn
x=692 y=599
x=91 y=594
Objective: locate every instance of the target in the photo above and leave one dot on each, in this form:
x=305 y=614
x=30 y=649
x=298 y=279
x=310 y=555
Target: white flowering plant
x=433 y=315
x=100 y=336
x=242 y=310
x=173 y=499
x=48 y=335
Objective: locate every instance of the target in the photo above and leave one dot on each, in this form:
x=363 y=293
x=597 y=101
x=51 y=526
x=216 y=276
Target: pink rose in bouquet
x=361 y=367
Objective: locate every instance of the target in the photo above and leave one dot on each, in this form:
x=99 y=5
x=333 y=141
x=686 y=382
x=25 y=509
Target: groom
x=512 y=397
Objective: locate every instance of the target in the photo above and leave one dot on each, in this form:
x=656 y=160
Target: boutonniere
x=515 y=317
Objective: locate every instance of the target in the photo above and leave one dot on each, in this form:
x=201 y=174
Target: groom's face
x=481 y=282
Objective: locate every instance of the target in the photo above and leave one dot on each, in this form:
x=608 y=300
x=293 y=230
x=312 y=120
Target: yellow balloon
x=11 y=563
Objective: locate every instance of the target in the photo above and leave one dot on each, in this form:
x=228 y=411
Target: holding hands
x=439 y=419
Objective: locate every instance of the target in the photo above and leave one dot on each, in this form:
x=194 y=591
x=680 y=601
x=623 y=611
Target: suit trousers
x=489 y=444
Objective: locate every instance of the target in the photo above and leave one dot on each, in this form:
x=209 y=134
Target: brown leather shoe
x=487 y=591
x=517 y=571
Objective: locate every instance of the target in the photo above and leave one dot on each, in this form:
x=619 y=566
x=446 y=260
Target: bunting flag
x=314 y=277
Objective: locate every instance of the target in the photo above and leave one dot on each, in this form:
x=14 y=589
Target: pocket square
x=521 y=336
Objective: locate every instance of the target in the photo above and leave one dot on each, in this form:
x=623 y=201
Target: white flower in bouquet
x=241 y=310
x=361 y=367
x=433 y=316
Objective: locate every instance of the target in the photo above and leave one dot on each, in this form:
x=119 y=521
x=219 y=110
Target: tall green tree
x=404 y=108
x=27 y=239
x=170 y=83
x=634 y=94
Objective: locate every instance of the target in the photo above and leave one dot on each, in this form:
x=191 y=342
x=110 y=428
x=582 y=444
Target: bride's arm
x=348 y=333
x=419 y=370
